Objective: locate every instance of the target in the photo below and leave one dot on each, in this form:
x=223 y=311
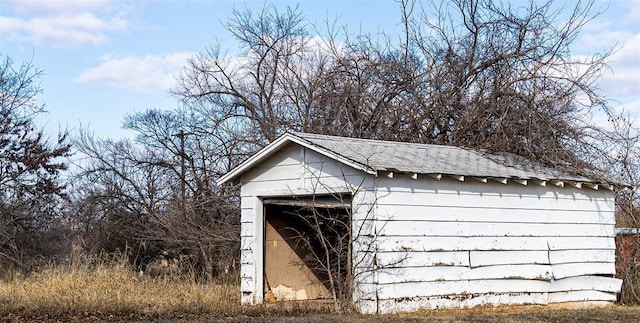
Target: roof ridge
x=377 y=141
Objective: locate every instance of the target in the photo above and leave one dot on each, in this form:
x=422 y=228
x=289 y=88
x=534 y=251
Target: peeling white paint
x=464 y=244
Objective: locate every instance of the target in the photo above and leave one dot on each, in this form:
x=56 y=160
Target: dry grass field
x=111 y=291
x=104 y=289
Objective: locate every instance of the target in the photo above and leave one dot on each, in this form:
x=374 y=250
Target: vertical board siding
x=478 y=244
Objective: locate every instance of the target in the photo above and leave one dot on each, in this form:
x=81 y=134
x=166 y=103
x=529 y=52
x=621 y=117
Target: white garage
x=412 y=226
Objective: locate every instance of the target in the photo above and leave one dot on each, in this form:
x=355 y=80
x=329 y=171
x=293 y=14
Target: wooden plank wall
x=280 y=171
x=291 y=171
x=462 y=243
x=468 y=244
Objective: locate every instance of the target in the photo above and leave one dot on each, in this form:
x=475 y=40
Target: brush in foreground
x=110 y=289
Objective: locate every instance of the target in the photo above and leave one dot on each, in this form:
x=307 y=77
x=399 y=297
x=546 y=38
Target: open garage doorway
x=307 y=251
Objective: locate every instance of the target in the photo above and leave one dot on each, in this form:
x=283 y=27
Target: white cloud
x=633 y=10
x=61 y=23
x=603 y=40
x=624 y=79
x=148 y=74
x=53 y=6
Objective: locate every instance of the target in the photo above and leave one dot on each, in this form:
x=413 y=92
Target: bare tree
x=475 y=73
x=31 y=189
x=620 y=144
x=157 y=195
x=501 y=77
x=470 y=73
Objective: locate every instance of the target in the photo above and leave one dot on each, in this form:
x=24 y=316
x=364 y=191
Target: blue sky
x=103 y=59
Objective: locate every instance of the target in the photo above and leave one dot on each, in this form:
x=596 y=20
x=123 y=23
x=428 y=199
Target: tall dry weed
x=108 y=286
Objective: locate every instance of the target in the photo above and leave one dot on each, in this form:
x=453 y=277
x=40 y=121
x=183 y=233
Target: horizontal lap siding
x=530 y=243
x=538 y=199
x=427 y=243
x=453 y=273
x=581 y=296
x=483 y=229
x=482 y=243
x=581 y=255
x=247 y=247
x=291 y=171
x=497 y=286
x=460 y=301
x=493 y=258
x=247 y=265
x=281 y=171
x=295 y=168
x=471 y=300
x=457 y=273
x=460 y=287
x=422 y=259
x=495 y=214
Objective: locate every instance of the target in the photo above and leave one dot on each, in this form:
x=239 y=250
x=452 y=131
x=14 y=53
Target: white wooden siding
x=445 y=243
x=581 y=295
x=581 y=255
x=458 y=301
x=588 y=297
x=538 y=199
x=496 y=286
x=427 y=243
x=584 y=269
x=291 y=171
x=422 y=259
x=461 y=288
x=466 y=243
x=483 y=229
x=492 y=258
x=494 y=214
x=248 y=245
x=458 y=273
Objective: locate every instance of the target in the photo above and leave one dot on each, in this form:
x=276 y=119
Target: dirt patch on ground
x=607 y=314
x=253 y=314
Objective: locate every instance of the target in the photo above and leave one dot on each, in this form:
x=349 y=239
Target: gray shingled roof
x=376 y=156
x=414 y=158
